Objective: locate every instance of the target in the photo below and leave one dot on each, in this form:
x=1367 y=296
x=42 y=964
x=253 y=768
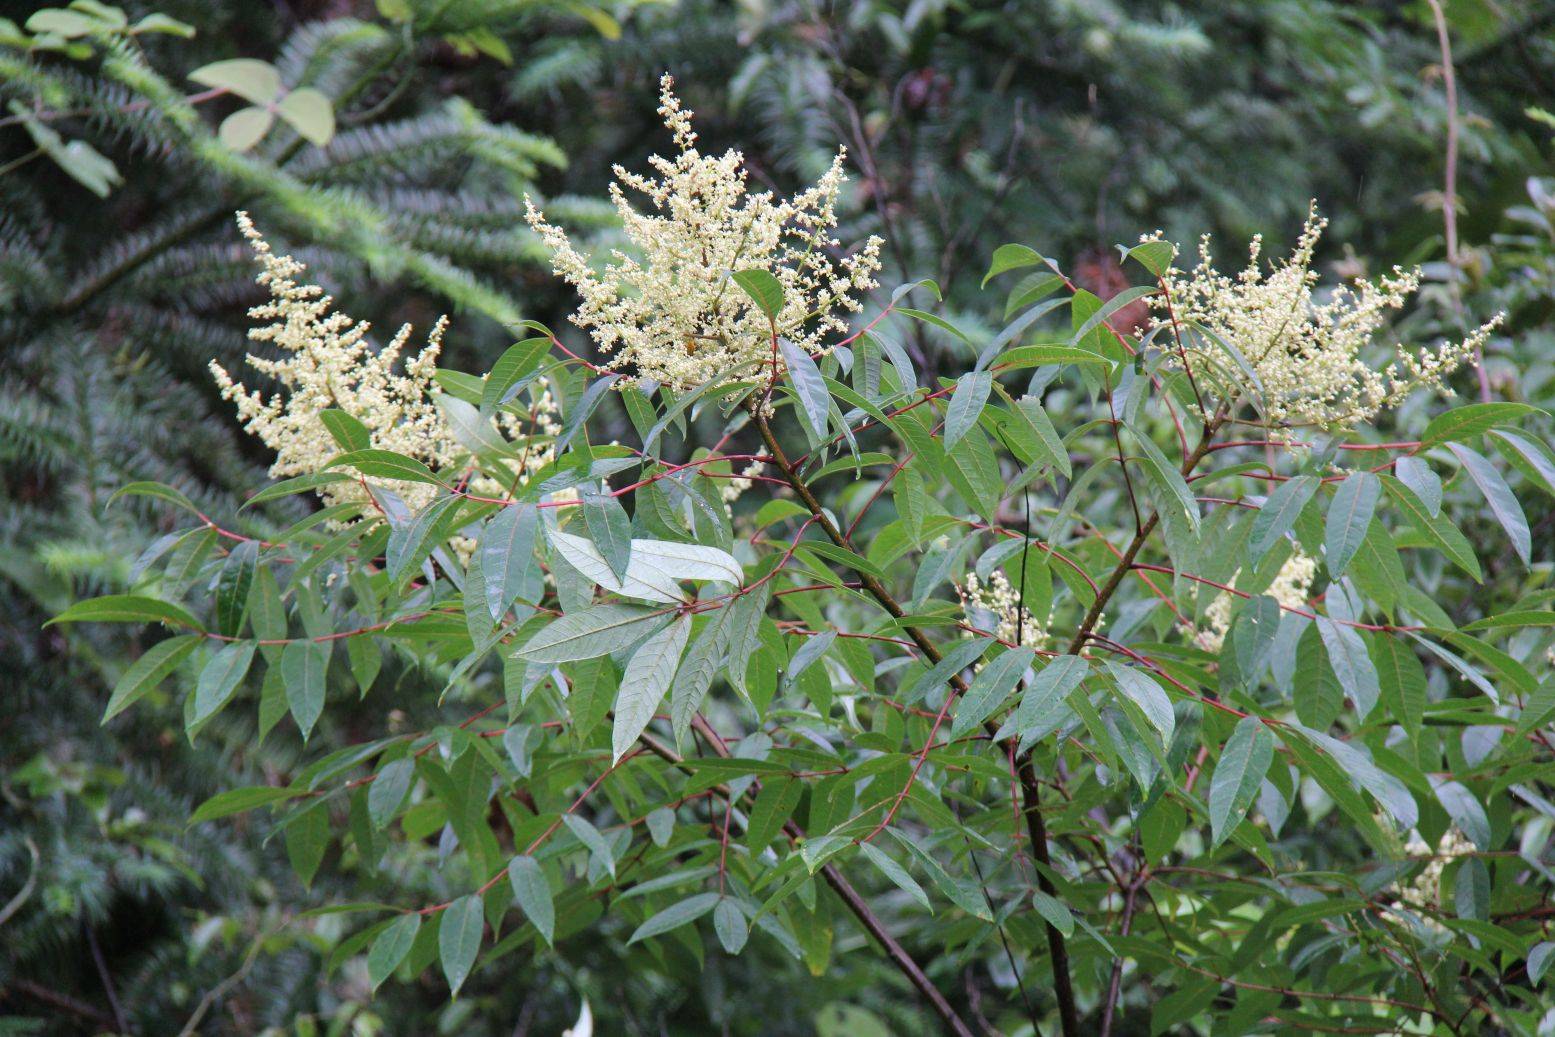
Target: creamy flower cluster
x=1425 y=889
x=995 y=607
x=670 y=313
x=1289 y=589
x=734 y=487
x=1308 y=355
x=325 y=362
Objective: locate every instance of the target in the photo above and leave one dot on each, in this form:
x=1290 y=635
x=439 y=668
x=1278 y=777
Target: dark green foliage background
x=1067 y=126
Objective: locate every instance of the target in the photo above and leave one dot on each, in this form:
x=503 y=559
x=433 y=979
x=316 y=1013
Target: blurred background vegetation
x=1067 y=125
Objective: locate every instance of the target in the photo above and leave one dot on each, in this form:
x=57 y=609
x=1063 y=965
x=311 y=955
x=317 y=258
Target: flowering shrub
x=1141 y=672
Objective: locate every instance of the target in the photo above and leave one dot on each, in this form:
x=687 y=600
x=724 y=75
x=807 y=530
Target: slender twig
x=101 y=964
x=1030 y=788
x=1450 y=191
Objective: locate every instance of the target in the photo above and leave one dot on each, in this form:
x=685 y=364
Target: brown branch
x=1450 y=190
x=1031 y=808
x=841 y=886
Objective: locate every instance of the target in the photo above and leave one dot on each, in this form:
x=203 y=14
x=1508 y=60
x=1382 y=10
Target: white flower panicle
x=670 y=313
x=1308 y=354
x=995 y=607
x=1289 y=590
x=737 y=485
x=326 y=362
x=1425 y=889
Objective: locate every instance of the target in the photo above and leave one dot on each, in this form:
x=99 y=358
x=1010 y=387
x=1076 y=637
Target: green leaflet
x=392 y=947
x=459 y=939
x=596 y=631
x=533 y=892
x=304 y=665
x=1349 y=516
x=1279 y=512
x=675 y=916
x=966 y=404
x=648 y=675
x=697 y=672
x=507 y=555
x=220 y=678
x=1243 y=763
x=148 y=671
x=990 y=688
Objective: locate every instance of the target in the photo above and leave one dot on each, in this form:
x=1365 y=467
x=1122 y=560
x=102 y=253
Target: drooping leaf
x=1243 y=763
x=1503 y=503
x=459 y=939
x=1349 y=517
x=507 y=555
x=220 y=679
x=610 y=529
x=392 y=947
x=303 y=667
x=533 y=894
x=648 y=675
x=596 y=631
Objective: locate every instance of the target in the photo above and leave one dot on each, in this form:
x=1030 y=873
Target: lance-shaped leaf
x=1349 y=516
x=1044 y=698
x=1418 y=476
x=1503 y=504
x=610 y=530
x=220 y=678
x=595 y=631
x=966 y=404
x=1164 y=474
x=1463 y=423
x=1141 y=689
x=1279 y=513
x=990 y=688
x=507 y=555
x=459 y=939
x=809 y=386
x=763 y=288
x=696 y=674
x=386 y=464
x=1239 y=774
x=533 y=894
x=648 y=675
x=153 y=666
x=655 y=566
x=675 y=916
x=391 y=947
x=126 y=608
x=1351 y=663
x=303 y=667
